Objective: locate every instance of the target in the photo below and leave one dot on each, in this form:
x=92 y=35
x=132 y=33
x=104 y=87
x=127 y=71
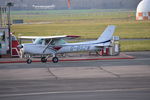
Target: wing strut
x=47 y=46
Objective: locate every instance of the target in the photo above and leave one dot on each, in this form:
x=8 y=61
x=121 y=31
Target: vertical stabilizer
x=107 y=34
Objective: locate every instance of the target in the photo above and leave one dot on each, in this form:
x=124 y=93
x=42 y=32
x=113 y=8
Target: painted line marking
x=73 y=92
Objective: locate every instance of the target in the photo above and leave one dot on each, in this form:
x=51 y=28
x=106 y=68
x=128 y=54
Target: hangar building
x=143 y=10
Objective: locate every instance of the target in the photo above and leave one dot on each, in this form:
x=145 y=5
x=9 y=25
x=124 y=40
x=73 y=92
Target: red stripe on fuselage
x=57 y=48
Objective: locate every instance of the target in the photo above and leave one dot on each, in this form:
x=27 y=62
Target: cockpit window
x=39 y=41
x=47 y=41
x=61 y=41
x=51 y=41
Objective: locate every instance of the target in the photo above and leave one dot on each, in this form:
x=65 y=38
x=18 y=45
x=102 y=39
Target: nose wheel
x=29 y=61
x=55 y=59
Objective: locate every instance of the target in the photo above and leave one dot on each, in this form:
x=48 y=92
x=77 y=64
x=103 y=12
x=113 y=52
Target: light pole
x=9 y=25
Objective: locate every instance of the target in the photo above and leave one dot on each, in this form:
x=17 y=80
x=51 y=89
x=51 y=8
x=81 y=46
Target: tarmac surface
x=113 y=79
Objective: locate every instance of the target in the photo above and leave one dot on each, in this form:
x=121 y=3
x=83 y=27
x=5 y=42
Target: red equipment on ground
x=14 y=49
x=104 y=52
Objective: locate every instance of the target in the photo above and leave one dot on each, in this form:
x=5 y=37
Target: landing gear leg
x=55 y=59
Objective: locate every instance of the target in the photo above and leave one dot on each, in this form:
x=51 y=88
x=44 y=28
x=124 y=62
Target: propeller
x=20 y=46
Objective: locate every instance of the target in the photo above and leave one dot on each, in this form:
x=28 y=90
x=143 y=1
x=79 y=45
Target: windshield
x=38 y=41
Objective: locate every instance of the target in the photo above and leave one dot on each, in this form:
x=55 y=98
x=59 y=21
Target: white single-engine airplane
x=53 y=45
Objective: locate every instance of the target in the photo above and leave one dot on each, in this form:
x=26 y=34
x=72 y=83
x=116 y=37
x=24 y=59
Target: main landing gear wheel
x=29 y=61
x=43 y=60
x=55 y=59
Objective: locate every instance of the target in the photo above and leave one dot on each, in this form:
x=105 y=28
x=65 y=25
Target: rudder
x=107 y=34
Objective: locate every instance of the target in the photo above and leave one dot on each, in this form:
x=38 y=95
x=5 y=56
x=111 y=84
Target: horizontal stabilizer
x=102 y=45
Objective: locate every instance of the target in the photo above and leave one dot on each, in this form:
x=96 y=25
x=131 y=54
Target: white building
x=143 y=10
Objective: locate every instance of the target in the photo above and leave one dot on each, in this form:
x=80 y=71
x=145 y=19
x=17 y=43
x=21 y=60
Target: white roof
x=144 y=6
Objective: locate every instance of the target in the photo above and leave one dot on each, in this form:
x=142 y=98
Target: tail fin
x=107 y=34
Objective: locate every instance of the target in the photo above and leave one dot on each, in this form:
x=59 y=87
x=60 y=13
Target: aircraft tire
x=55 y=59
x=29 y=61
x=43 y=60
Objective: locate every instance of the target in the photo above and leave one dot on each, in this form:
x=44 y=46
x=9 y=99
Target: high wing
x=61 y=37
x=50 y=37
x=28 y=37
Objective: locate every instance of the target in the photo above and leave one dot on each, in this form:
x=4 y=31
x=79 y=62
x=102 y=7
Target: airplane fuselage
x=32 y=48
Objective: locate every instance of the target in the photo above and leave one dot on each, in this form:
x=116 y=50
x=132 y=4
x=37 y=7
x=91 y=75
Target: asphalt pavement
x=119 y=79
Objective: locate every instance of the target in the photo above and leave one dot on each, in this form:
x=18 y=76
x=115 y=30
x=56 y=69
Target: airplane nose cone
x=20 y=46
